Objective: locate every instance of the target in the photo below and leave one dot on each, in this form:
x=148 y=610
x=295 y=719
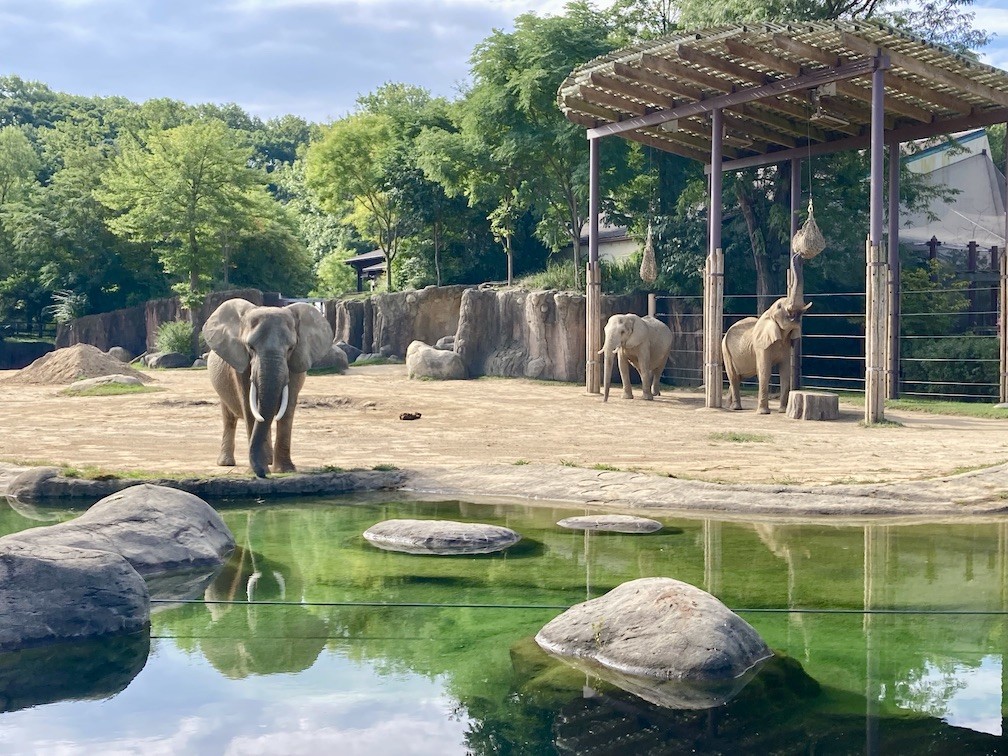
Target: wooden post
x=593 y=288
x=971 y=269
x=652 y=305
x=1003 y=329
x=714 y=277
x=892 y=361
x=796 y=346
x=876 y=307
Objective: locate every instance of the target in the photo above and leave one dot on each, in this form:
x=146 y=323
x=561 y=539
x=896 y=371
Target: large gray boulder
x=335 y=359
x=122 y=354
x=168 y=360
x=663 y=639
x=50 y=592
x=157 y=529
x=351 y=352
x=441 y=537
x=424 y=361
x=88 y=383
x=613 y=523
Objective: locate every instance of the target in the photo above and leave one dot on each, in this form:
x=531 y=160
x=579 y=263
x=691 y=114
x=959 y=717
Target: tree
x=19 y=164
x=347 y=171
x=180 y=190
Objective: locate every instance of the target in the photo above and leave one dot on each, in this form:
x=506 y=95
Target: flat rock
x=440 y=537
x=101 y=380
x=155 y=528
x=663 y=635
x=614 y=523
x=51 y=592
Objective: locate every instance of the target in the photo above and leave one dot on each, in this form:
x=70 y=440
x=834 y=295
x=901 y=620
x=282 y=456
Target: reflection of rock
x=613 y=523
x=665 y=630
x=178 y=586
x=32 y=512
x=51 y=592
x=157 y=529
x=440 y=537
x=91 y=669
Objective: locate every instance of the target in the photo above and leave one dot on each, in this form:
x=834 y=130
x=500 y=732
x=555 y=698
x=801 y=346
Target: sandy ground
x=352 y=421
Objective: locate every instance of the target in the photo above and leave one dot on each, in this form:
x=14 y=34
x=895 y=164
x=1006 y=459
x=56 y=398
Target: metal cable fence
x=949 y=353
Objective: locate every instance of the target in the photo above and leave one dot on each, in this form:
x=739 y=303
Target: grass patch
x=375 y=360
x=521 y=462
x=568 y=463
x=739 y=437
x=945 y=407
x=327 y=371
x=112 y=389
x=384 y=468
x=604 y=467
x=881 y=424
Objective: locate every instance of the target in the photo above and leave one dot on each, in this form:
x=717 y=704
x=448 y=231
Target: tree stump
x=813 y=405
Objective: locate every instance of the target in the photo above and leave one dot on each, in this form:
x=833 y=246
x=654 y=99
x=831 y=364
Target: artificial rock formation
x=440 y=537
x=424 y=361
x=663 y=639
x=613 y=523
x=157 y=529
x=50 y=592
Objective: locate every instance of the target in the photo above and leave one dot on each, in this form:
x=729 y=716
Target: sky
x=311 y=58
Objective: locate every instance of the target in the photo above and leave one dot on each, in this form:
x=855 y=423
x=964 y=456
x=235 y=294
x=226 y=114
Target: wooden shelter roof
x=782 y=87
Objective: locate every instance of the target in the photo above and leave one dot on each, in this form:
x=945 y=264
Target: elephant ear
x=222 y=332
x=315 y=337
x=767 y=331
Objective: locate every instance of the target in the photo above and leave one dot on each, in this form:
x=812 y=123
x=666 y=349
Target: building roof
x=782 y=87
x=367 y=257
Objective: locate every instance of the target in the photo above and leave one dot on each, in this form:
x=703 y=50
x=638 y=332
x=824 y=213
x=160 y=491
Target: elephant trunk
x=607 y=351
x=796 y=292
x=269 y=389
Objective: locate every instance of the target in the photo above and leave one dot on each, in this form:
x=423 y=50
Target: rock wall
x=135 y=328
x=531 y=334
x=15 y=355
x=388 y=323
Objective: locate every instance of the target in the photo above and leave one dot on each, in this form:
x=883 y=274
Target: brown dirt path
x=353 y=421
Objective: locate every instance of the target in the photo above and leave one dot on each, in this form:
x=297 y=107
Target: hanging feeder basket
x=648 y=266
x=808 y=241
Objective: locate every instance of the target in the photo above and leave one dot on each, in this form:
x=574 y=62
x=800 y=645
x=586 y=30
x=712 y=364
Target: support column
x=593 y=287
x=893 y=352
x=714 y=277
x=1003 y=297
x=876 y=263
x=796 y=350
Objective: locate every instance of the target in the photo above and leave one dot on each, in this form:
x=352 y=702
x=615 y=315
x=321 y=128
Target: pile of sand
x=72 y=364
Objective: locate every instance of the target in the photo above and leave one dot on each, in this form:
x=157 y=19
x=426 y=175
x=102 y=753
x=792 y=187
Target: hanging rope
x=808 y=241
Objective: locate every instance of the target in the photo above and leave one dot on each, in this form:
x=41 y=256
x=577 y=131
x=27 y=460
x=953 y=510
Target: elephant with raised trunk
x=754 y=346
x=259 y=360
x=644 y=343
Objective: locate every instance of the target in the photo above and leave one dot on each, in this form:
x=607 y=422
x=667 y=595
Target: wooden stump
x=813 y=405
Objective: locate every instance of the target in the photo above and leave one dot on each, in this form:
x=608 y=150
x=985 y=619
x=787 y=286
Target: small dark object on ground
x=409 y=416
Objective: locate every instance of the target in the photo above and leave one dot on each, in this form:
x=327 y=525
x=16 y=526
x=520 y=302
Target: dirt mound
x=72 y=364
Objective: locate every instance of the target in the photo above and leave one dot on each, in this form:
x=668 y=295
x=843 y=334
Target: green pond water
x=313 y=641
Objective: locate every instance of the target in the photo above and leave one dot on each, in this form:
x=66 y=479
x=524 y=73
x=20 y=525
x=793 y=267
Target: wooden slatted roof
x=815 y=82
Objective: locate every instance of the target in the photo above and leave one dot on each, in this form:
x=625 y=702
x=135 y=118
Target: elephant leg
x=226 y=457
x=259 y=450
x=763 y=376
x=281 y=449
x=624 y=371
x=785 y=381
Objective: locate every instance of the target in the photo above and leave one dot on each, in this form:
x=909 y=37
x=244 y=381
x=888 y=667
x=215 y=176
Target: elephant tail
x=726 y=358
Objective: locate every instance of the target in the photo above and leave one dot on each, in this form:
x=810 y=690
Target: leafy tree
x=347 y=170
x=334 y=277
x=180 y=191
x=19 y=164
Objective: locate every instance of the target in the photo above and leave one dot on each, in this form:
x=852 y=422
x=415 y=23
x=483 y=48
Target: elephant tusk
x=283 y=404
x=254 y=403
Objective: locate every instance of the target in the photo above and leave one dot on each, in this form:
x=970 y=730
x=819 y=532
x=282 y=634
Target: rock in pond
x=50 y=592
x=440 y=537
x=613 y=523
x=156 y=528
x=662 y=639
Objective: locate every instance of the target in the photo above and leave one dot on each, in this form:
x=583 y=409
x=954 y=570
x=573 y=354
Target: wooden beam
x=845 y=88
x=750 y=128
x=657 y=81
x=893 y=80
x=727 y=67
x=666 y=145
x=758 y=112
x=627 y=89
x=695 y=137
x=616 y=102
x=688 y=126
x=929 y=72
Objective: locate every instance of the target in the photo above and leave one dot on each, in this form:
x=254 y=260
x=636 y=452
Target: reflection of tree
x=930 y=688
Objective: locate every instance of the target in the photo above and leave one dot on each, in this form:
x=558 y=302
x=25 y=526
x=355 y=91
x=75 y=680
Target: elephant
x=259 y=360
x=644 y=343
x=753 y=346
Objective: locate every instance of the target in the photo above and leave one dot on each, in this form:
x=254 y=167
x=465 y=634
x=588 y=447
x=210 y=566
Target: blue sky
x=307 y=57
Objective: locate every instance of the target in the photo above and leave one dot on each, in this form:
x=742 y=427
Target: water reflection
x=886 y=682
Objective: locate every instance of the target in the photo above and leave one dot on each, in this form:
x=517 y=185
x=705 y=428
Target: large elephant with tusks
x=754 y=346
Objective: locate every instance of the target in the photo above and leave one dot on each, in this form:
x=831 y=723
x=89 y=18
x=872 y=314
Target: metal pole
x=892 y=373
x=875 y=294
x=796 y=351
x=592 y=332
x=713 y=325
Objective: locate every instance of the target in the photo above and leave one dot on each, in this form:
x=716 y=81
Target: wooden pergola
x=747 y=96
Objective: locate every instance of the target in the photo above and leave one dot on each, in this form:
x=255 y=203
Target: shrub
x=964 y=366
x=175 y=336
